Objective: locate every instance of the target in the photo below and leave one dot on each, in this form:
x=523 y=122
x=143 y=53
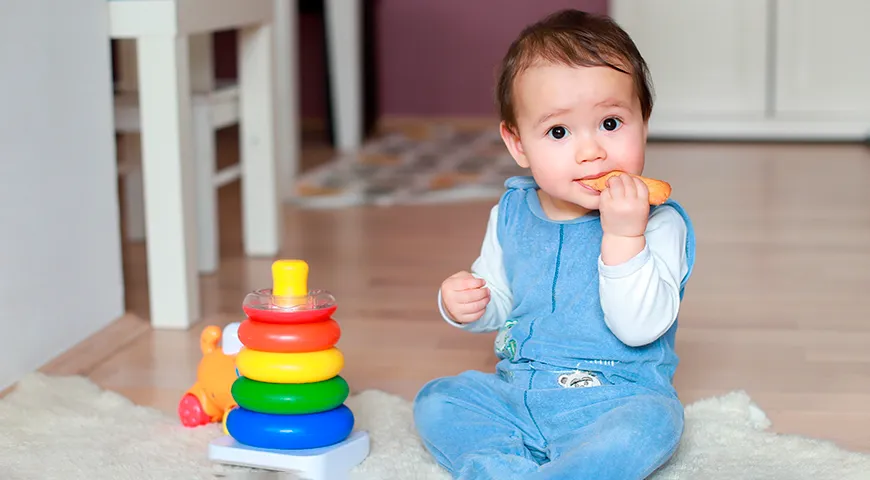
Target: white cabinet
x=693 y=70
x=822 y=62
x=754 y=69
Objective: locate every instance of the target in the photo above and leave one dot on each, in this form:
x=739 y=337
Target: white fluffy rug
x=67 y=428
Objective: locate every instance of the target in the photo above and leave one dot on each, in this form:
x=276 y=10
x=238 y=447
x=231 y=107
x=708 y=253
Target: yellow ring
x=274 y=367
x=224 y=420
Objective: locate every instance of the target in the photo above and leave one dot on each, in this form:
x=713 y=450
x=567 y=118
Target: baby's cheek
x=631 y=158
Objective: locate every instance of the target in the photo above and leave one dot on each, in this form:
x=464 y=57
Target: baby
x=582 y=286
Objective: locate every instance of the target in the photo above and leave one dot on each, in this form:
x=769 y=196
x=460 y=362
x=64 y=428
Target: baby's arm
x=641 y=297
x=488 y=266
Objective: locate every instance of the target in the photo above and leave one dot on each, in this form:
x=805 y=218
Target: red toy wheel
x=191 y=413
x=289 y=338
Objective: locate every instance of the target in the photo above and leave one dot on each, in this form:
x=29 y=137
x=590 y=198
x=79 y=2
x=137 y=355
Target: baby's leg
x=625 y=438
x=467 y=423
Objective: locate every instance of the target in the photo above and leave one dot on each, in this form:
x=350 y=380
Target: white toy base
x=326 y=463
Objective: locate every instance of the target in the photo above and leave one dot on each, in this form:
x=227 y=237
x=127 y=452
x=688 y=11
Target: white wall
x=60 y=257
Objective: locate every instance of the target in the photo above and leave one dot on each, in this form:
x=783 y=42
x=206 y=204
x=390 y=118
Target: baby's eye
x=557 y=132
x=610 y=124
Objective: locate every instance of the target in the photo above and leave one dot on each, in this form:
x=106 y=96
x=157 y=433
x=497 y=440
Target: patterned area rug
x=438 y=164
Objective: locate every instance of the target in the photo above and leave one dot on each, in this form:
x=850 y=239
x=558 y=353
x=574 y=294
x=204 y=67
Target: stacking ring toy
x=288 y=302
x=274 y=367
x=224 y=419
x=303 y=337
x=290 y=398
x=263 y=430
x=267 y=315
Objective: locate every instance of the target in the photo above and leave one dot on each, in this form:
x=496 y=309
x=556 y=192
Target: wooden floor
x=779 y=304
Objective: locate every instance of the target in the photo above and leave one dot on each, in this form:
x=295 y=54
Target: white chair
x=174 y=105
x=162 y=30
x=213 y=107
x=216 y=106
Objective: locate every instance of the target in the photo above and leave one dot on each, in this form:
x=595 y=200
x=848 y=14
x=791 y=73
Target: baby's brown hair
x=574 y=38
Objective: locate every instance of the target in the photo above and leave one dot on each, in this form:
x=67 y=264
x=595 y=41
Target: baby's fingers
x=629 y=185
x=470 y=312
x=471 y=296
x=466 y=282
x=478 y=306
x=641 y=189
x=616 y=187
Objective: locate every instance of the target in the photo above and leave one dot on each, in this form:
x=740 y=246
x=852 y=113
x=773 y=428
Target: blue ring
x=290 y=432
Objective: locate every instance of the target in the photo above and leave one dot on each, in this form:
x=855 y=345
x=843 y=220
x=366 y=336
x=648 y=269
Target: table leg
x=134 y=200
x=287 y=124
x=344 y=44
x=132 y=150
x=261 y=206
x=207 y=215
x=169 y=181
x=202 y=82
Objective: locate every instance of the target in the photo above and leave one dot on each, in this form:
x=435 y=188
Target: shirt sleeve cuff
x=624 y=269
x=444 y=313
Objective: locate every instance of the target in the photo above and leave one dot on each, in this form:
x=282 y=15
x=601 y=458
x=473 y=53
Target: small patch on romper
x=579 y=379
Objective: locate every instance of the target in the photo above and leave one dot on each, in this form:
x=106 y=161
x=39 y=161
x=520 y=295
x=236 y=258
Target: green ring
x=290 y=398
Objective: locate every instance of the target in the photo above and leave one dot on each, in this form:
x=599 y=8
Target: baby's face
x=574 y=123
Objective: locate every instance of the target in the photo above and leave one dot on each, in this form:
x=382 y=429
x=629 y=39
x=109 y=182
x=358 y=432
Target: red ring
x=289 y=338
x=266 y=315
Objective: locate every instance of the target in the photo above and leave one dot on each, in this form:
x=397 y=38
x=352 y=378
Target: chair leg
x=261 y=206
x=206 y=191
x=134 y=192
x=287 y=125
x=344 y=37
x=170 y=181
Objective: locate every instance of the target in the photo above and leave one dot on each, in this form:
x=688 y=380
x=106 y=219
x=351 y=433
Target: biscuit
x=659 y=190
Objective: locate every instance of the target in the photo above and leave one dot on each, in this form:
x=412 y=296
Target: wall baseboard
x=754 y=130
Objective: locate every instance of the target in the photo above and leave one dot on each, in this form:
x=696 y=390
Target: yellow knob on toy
x=290 y=282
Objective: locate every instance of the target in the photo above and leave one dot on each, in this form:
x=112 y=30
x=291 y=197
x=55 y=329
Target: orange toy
x=210 y=396
x=659 y=190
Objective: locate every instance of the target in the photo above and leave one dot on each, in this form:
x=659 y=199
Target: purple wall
x=440 y=57
x=435 y=57
x=312 y=66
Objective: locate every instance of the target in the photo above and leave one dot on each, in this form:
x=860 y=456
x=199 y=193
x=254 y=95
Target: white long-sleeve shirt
x=640 y=297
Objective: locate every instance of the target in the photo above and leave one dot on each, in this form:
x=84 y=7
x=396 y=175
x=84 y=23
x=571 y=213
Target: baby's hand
x=624 y=206
x=464 y=296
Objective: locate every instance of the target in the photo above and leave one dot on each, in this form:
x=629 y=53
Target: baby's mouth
x=587 y=187
x=593 y=176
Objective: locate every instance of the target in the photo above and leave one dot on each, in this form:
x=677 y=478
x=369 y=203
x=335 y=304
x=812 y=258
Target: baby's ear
x=514 y=145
